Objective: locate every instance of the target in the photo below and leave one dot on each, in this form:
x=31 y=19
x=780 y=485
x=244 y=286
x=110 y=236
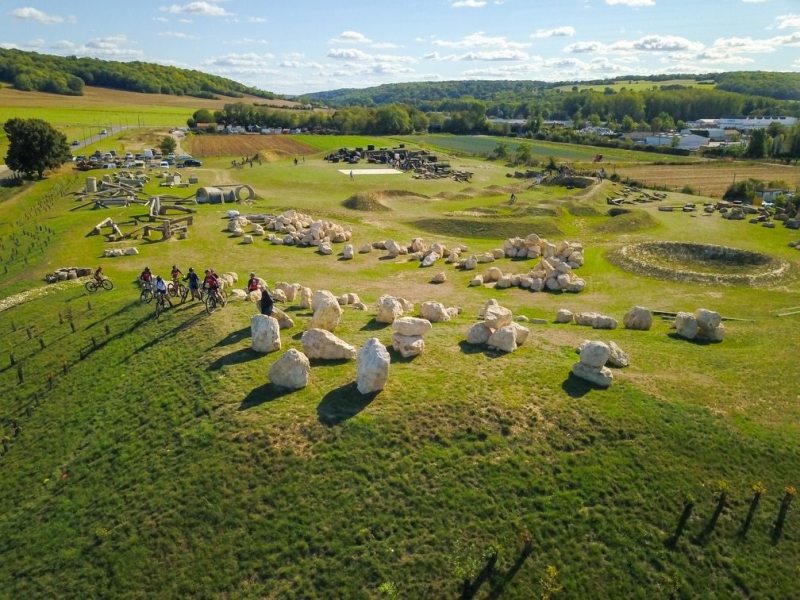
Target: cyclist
x=98 y=275
x=194 y=283
x=256 y=283
x=161 y=291
x=176 y=273
x=211 y=283
x=146 y=278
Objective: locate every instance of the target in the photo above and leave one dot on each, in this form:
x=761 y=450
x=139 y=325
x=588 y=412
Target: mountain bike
x=93 y=285
x=176 y=288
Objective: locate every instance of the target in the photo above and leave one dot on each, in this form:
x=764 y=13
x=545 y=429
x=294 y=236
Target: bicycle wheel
x=159 y=307
x=146 y=296
x=90 y=286
x=223 y=297
x=171 y=289
x=211 y=304
x=108 y=284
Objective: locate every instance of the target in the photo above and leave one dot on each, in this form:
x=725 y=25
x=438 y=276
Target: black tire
x=108 y=284
x=146 y=296
x=90 y=286
x=159 y=307
x=172 y=290
x=211 y=304
x=223 y=297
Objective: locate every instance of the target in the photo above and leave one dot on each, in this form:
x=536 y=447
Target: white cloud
x=468 y=4
x=481 y=40
x=356 y=55
x=753 y=1
x=633 y=3
x=584 y=47
x=175 y=34
x=247 y=41
x=566 y=31
x=788 y=21
x=648 y=43
x=208 y=9
x=484 y=55
x=114 y=47
x=28 y=13
x=256 y=20
x=161 y=19
x=350 y=37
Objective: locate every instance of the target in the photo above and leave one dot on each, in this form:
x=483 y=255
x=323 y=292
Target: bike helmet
x=158 y=277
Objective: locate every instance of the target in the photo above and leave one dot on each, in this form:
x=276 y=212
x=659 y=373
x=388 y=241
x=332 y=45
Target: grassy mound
x=628 y=222
x=365 y=201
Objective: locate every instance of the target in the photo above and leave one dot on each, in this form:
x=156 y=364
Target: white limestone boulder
x=411 y=326
x=617 y=357
x=686 y=325
x=497 y=316
x=638 y=318
x=564 y=316
x=291 y=371
x=320 y=344
x=478 y=334
x=265 y=334
x=327 y=311
x=602 y=377
x=373 y=367
x=504 y=339
x=595 y=354
x=389 y=309
x=408 y=345
x=435 y=312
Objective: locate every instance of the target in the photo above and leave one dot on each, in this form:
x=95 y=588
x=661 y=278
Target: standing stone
x=327 y=311
x=373 y=367
x=347 y=252
x=617 y=357
x=284 y=320
x=305 y=297
x=686 y=325
x=595 y=354
x=389 y=309
x=707 y=319
x=638 y=318
x=290 y=371
x=497 y=316
x=323 y=345
x=440 y=277
x=265 y=333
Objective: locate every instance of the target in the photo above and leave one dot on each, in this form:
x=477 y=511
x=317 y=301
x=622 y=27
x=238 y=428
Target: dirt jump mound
x=700 y=263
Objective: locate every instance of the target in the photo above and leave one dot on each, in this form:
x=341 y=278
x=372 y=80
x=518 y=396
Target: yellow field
x=710 y=179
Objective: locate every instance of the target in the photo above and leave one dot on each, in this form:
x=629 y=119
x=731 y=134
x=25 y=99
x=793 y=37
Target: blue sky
x=296 y=47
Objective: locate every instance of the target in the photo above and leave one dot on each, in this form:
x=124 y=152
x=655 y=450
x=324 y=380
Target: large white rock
x=304 y=297
x=617 y=357
x=479 y=334
x=564 y=316
x=407 y=345
x=290 y=371
x=394 y=249
x=284 y=320
x=327 y=311
x=521 y=333
x=504 y=339
x=602 y=376
x=373 y=367
x=389 y=309
x=638 y=318
x=322 y=344
x=707 y=319
x=430 y=259
x=347 y=252
x=686 y=325
x=289 y=290
x=497 y=316
x=440 y=277
x=595 y=354
x=476 y=281
x=435 y=312
x=411 y=326
x=265 y=333
x=605 y=322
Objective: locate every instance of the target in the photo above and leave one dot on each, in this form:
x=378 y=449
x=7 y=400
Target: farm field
x=484 y=145
x=151 y=457
x=247 y=145
x=639 y=85
x=710 y=178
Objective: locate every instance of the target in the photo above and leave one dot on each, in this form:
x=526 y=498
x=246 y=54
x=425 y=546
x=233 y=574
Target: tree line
x=31 y=71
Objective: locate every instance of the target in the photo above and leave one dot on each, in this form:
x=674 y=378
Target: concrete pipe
x=209 y=195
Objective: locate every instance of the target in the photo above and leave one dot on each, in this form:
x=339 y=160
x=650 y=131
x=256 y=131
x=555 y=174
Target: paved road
x=5 y=172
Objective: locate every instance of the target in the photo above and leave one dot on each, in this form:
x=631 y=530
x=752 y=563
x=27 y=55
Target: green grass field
x=481 y=145
x=150 y=457
x=639 y=85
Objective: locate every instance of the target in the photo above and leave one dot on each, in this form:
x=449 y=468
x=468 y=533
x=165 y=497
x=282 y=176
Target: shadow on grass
x=327 y=362
x=468 y=348
x=399 y=358
x=499 y=587
x=695 y=341
x=374 y=325
x=234 y=336
x=261 y=394
x=342 y=403
x=575 y=387
x=236 y=357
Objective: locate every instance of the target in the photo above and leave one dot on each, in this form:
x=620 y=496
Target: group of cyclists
x=162 y=290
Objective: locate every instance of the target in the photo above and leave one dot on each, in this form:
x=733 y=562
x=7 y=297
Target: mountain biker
x=146 y=278
x=194 y=283
x=256 y=283
x=176 y=273
x=211 y=283
x=98 y=275
x=161 y=291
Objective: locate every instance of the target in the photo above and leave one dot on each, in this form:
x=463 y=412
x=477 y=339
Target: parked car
x=104 y=132
x=163 y=165
x=192 y=162
x=76 y=143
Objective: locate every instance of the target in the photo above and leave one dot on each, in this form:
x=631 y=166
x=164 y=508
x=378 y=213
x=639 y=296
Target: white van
x=163 y=165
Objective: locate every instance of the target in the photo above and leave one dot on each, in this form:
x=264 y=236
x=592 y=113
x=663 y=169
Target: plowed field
x=709 y=179
x=246 y=145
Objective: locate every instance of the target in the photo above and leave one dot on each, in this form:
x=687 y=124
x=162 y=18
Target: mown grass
x=164 y=464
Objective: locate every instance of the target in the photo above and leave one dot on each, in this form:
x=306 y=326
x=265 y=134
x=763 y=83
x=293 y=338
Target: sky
x=292 y=47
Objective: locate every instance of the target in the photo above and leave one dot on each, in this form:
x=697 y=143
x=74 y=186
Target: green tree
x=523 y=154
x=628 y=124
x=167 y=144
x=34 y=146
x=757 y=147
x=500 y=151
x=203 y=116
